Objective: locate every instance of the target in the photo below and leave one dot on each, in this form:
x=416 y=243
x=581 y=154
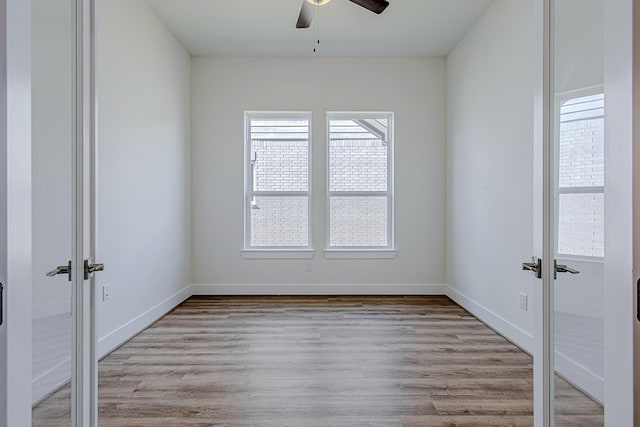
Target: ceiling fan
x=308 y=9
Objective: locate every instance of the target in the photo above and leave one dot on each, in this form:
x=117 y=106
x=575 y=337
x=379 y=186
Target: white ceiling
x=267 y=27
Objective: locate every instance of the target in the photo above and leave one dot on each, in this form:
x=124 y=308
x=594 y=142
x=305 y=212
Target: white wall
x=223 y=88
x=490 y=169
x=51 y=153
x=143 y=229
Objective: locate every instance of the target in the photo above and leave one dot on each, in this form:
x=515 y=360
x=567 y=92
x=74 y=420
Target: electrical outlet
x=524 y=302
x=308 y=266
x=106 y=292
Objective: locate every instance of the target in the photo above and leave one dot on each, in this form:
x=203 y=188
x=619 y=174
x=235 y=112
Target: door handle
x=1 y=304
x=561 y=268
x=90 y=267
x=638 y=300
x=61 y=269
x=535 y=266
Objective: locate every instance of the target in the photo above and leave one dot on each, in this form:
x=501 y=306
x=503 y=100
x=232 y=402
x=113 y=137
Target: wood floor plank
x=318 y=361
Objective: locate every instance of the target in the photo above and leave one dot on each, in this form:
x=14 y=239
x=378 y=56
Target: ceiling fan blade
x=306 y=15
x=375 y=6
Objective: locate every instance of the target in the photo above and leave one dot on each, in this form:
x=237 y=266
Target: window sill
x=360 y=253
x=277 y=253
x=580 y=258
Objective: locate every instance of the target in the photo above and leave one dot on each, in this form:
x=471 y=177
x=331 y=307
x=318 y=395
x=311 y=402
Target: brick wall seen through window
x=278 y=180
x=359 y=180
x=580 y=191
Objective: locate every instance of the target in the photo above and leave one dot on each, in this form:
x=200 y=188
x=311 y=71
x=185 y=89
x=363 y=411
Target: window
x=277 y=181
x=580 y=174
x=360 y=181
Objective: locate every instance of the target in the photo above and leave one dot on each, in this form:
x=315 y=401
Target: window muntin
x=360 y=181
x=278 y=178
x=580 y=174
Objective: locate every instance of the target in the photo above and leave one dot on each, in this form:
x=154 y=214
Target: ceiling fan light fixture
x=318 y=2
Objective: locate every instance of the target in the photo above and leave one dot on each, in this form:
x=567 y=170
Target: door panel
x=52 y=148
x=53 y=198
x=576 y=237
x=63 y=362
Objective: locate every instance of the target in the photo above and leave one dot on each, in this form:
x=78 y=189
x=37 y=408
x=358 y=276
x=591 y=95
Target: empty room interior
x=323 y=225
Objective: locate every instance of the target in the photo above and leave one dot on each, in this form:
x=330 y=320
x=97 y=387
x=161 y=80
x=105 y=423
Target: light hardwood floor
x=318 y=361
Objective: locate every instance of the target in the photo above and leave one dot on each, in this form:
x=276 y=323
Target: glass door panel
x=577 y=236
x=53 y=200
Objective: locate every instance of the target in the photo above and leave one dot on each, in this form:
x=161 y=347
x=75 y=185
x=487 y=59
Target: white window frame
x=390 y=250
x=561 y=97
x=248 y=251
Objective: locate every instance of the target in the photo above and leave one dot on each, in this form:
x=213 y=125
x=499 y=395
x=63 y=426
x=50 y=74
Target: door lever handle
x=535 y=266
x=1 y=304
x=61 y=269
x=637 y=300
x=90 y=267
x=561 y=268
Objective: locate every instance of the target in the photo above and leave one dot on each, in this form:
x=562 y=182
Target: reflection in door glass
x=52 y=139
x=579 y=139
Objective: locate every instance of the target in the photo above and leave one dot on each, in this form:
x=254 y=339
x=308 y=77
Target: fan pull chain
x=317 y=27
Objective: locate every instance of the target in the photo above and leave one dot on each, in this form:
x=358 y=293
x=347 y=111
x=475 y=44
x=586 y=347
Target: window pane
x=581 y=150
x=280 y=165
x=582 y=153
x=581 y=224
x=270 y=129
x=280 y=221
x=358 y=155
x=358 y=221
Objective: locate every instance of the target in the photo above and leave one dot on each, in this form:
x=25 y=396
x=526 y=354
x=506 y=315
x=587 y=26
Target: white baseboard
x=49 y=381
x=317 y=289
x=579 y=376
x=510 y=331
x=116 y=338
x=567 y=368
x=58 y=375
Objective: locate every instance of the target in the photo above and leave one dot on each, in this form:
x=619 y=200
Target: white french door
x=48 y=335
x=583 y=361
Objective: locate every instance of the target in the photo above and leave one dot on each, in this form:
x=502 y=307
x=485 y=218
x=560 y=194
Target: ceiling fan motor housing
x=306 y=13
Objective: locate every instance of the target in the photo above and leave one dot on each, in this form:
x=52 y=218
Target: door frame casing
x=85 y=375
x=619 y=221
x=15 y=220
x=542 y=404
x=636 y=202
